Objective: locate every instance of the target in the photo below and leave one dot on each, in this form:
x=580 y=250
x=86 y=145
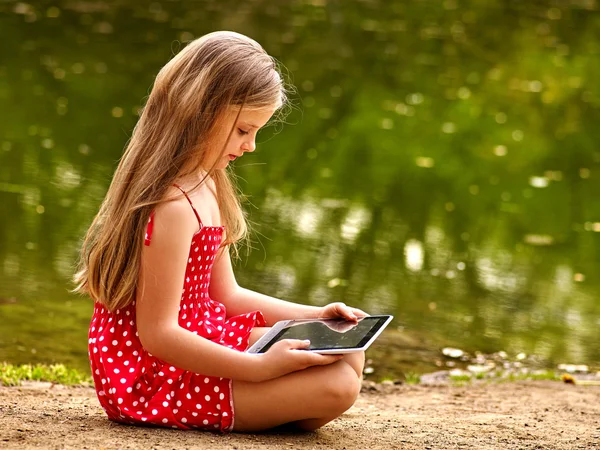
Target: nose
x=249 y=145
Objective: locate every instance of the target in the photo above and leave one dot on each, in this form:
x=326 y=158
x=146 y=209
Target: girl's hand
x=289 y=355
x=340 y=310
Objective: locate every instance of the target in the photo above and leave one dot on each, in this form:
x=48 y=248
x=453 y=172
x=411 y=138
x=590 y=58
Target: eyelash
x=242 y=132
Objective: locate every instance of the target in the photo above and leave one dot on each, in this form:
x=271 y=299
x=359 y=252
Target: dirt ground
x=522 y=415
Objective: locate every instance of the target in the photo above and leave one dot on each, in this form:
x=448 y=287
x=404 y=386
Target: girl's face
x=243 y=137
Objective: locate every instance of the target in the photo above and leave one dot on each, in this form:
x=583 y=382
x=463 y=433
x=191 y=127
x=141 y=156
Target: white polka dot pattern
x=135 y=387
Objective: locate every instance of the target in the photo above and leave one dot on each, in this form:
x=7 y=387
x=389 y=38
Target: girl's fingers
x=340 y=309
x=349 y=313
x=311 y=358
x=345 y=311
x=298 y=343
x=359 y=312
x=323 y=360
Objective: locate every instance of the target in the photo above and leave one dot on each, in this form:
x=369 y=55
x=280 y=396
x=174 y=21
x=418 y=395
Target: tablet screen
x=331 y=334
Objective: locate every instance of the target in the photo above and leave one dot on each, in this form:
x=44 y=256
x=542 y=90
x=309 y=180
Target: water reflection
x=442 y=166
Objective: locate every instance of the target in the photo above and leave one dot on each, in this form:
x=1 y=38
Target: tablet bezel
x=279 y=327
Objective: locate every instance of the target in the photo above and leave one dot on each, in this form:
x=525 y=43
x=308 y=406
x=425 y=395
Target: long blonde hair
x=191 y=94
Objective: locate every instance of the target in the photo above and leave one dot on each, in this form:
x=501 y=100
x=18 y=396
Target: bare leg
x=309 y=398
x=356 y=360
x=256 y=334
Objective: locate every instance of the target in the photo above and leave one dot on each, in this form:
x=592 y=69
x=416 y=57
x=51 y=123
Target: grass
x=412 y=378
x=500 y=376
x=460 y=380
x=12 y=375
x=538 y=375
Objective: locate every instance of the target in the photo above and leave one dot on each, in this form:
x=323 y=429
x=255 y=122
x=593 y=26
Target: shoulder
x=175 y=216
x=205 y=201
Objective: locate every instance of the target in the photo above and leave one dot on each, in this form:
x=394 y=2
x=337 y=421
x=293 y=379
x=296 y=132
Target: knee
x=342 y=389
x=357 y=362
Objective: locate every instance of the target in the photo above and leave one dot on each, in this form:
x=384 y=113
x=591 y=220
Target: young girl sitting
x=170 y=324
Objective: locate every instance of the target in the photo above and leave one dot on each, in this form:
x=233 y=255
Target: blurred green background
x=440 y=163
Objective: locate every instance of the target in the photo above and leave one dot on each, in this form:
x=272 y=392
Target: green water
x=440 y=164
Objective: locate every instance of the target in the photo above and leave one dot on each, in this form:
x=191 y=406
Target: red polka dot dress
x=135 y=387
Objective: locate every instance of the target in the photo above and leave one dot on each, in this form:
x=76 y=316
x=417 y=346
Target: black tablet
x=326 y=335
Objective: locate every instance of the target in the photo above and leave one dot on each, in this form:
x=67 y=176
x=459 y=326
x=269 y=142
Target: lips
x=232 y=157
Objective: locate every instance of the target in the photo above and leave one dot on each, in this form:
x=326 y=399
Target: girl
x=170 y=324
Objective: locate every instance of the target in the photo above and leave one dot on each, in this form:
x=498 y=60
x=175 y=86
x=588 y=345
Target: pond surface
x=439 y=164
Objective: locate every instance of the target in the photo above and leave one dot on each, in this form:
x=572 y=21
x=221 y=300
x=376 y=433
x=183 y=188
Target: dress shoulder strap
x=150 y=227
x=191 y=204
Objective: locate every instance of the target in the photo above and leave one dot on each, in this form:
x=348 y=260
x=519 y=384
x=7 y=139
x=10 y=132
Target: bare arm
x=163 y=266
x=239 y=300
x=162 y=271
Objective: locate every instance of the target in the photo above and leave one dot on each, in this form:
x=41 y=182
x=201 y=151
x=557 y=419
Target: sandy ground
x=524 y=415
